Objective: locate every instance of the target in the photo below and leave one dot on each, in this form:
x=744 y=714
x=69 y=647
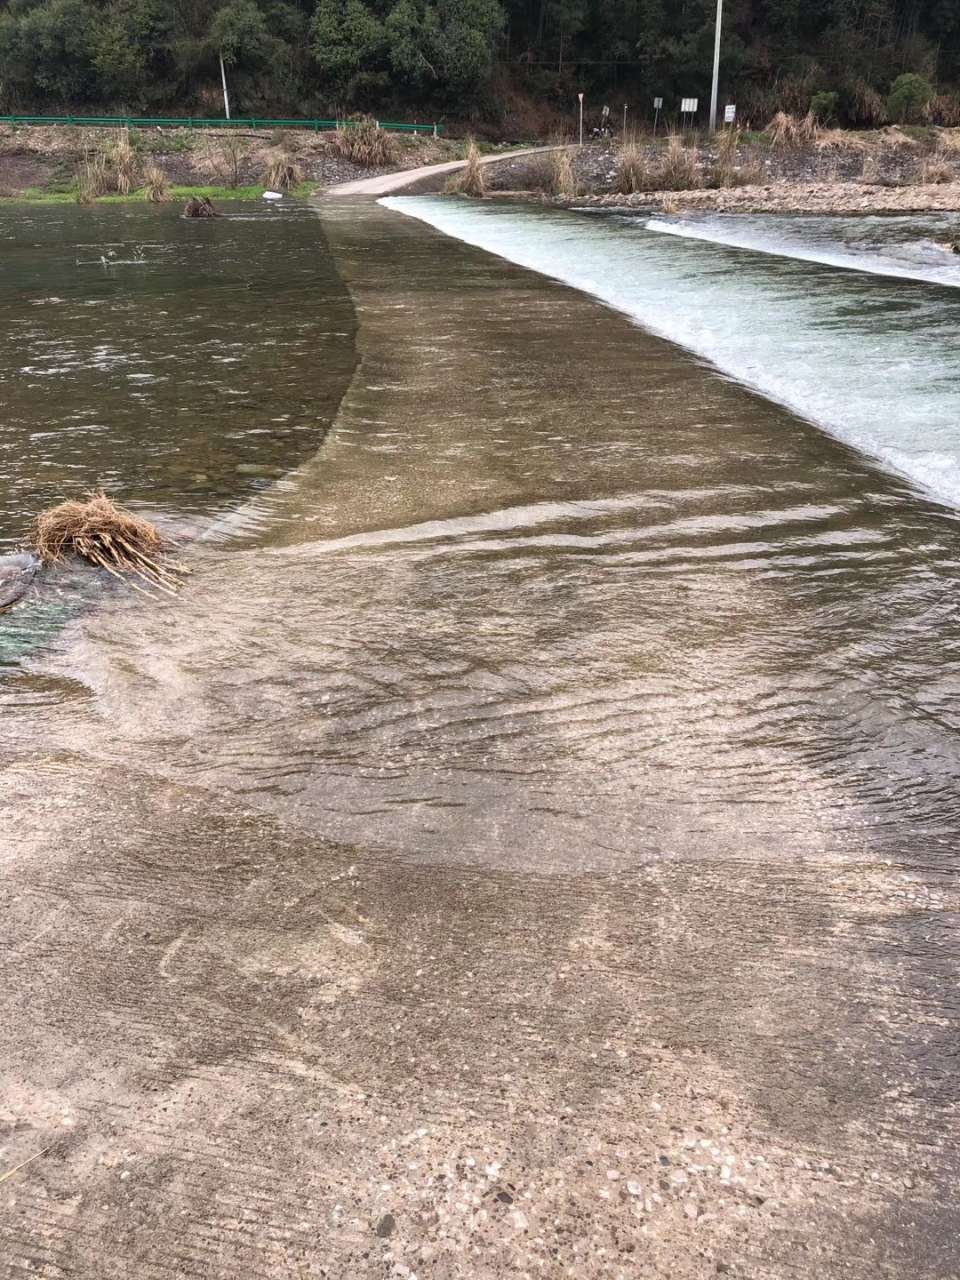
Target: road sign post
x=730 y=113
x=716 y=68
x=657 y=108
x=688 y=109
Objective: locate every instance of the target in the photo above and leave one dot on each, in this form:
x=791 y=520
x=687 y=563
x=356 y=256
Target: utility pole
x=716 y=68
x=223 y=77
x=580 y=96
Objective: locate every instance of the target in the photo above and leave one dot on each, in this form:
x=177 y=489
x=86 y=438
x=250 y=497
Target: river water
x=560 y=596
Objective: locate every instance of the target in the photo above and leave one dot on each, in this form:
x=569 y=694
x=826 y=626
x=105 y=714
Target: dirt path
x=388 y=183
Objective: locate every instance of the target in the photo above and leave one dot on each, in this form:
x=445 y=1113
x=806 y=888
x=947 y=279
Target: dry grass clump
x=363 y=141
x=106 y=535
x=90 y=179
x=156 y=188
x=935 y=168
x=944 y=109
x=786 y=130
x=470 y=180
x=679 y=169
x=563 y=181
x=122 y=162
x=838 y=140
x=632 y=173
x=282 y=171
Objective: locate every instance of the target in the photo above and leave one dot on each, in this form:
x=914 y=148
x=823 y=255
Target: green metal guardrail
x=199 y=122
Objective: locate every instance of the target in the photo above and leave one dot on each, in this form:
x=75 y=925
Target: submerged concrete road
x=453 y=882
x=389 y=183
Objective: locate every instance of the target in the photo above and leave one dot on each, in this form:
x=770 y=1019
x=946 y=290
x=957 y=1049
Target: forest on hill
x=502 y=61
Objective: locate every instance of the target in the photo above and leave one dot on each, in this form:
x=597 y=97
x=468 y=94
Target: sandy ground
x=481 y=1041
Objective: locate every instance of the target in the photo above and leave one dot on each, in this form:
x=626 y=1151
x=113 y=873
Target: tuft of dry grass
x=563 y=180
x=88 y=182
x=470 y=180
x=156 y=188
x=105 y=535
x=632 y=173
x=122 y=162
x=786 y=130
x=935 y=168
x=838 y=140
x=679 y=169
x=363 y=141
x=282 y=171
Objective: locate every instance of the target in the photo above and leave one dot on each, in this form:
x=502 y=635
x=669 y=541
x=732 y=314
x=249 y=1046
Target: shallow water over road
x=178 y=363
x=576 y=731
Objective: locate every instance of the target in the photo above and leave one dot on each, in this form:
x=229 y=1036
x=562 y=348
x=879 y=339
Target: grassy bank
x=50 y=162
x=36 y=195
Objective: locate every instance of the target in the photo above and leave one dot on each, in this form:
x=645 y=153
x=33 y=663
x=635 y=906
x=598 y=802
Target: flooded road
x=527 y=847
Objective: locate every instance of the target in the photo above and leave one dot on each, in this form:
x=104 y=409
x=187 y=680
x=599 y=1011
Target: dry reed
x=105 y=535
x=470 y=180
x=122 y=162
x=632 y=175
x=282 y=171
x=679 y=168
x=363 y=141
x=936 y=168
x=156 y=189
x=563 y=180
x=786 y=130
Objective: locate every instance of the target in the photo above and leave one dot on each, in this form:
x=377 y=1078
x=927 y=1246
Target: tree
x=909 y=98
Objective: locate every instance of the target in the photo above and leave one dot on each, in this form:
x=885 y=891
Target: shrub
x=823 y=107
x=361 y=140
x=909 y=98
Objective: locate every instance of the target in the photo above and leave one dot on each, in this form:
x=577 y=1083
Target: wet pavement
x=519 y=852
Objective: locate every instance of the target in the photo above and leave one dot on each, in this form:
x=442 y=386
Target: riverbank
x=889 y=171
x=40 y=162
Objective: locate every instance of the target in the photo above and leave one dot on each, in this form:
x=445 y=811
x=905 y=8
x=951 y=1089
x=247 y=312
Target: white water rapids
x=850 y=322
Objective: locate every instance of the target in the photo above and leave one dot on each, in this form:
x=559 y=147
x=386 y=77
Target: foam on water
x=870 y=356
x=909 y=248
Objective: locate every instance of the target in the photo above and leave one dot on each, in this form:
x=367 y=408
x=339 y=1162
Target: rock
x=17 y=571
x=386 y=1226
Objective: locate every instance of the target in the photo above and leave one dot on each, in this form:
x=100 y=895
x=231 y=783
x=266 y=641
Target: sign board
x=688 y=106
x=729 y=113
x=657 y=104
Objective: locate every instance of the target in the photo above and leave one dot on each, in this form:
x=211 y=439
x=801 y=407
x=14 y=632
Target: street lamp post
x=716 y=68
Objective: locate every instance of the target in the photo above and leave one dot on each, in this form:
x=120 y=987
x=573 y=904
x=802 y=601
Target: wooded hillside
x=479 y=58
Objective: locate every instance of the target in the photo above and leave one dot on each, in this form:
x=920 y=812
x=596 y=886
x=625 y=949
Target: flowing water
x=176 y=362
x=560 y=596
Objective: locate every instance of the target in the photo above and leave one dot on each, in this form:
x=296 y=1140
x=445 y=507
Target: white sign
x=729 y=113
x=657 y=104
x=688 y=106
x=580 y=96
